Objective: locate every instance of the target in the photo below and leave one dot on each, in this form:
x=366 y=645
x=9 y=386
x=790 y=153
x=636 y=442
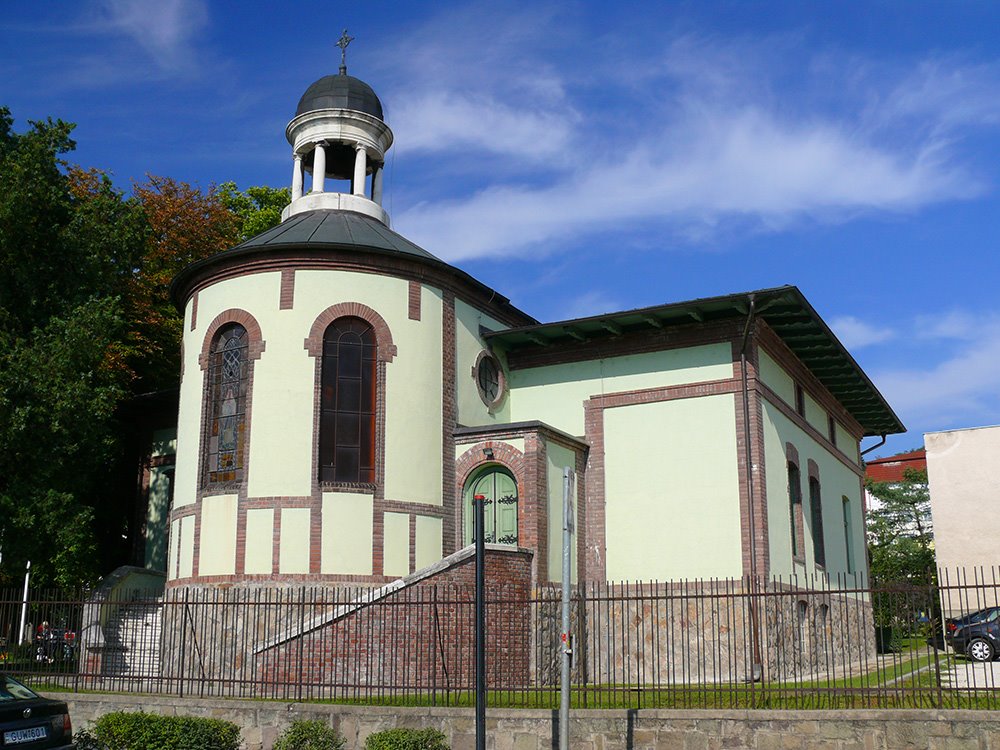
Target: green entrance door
x=497 y=485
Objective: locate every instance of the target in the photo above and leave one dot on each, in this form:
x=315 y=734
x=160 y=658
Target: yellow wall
x=396 y=560
x=430 y=532
x=217 y=545
x=347 y=533
x=672 y=490
x=558 y=458
x=471 y=409
x=836 y=482
x=555 y=394
x=260 y=541
x=293 y=548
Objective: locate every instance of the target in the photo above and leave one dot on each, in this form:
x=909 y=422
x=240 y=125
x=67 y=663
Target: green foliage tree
x=900 y=532
x=86 y=324
x=258 y=207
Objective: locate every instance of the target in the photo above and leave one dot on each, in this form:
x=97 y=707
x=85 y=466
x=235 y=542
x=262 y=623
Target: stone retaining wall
x=513 y=729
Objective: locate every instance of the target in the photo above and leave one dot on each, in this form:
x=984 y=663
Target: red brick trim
x=813 y=469
x=413 y=303
x=471 y=461
x=194 y=311
x=233 y=315
x=413 y=543
x=595 y=522
x=792 y=453
x=451 y=529
x=754 y=551
x=314 y=343
x=286 y=297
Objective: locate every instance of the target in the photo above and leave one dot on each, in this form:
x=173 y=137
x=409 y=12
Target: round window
x=489 y=378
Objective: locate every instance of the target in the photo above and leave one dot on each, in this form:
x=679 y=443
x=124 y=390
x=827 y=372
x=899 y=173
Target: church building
x=345 y=394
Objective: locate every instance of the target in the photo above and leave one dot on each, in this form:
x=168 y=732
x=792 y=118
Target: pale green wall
x=471 y=409
x=174 y=542
x=847 y=444
x=396 y=549
x=156 y=517
x=557 y=458
x=775 y=377
x=260 y=541
x=672 y=490
x=816 y=415
x=164 y=442
x=347 y=533
x=217 y=545
x=186 y=548
x=430 y=532
x=836 y=481
x=555 y=394
x=293 y=548
x=517 y=443
x=413 y=406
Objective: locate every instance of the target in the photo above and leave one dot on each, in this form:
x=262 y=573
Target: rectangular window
x=800 y=400
x=848 y=535
x=816 y=518
x=832 y=430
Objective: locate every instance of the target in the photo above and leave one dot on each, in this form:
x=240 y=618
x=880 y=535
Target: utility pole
x=567 y=639
x=479 y=504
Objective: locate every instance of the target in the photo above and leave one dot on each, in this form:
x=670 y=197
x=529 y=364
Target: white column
x=377 y=184
x=319 y=169
x=297 y=177
x=360 y=163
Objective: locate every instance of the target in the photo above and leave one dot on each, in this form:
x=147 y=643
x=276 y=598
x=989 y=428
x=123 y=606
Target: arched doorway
x=499 y=488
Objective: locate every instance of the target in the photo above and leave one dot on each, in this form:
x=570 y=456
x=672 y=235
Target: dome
x=340 y=92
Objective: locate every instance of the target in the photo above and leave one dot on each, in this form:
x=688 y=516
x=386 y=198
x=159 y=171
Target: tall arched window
x=347 y=402
x=228 y=374
x=816 y=521
x=795 y=511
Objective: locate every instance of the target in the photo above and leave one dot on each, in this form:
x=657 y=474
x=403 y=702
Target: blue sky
x=588 y=157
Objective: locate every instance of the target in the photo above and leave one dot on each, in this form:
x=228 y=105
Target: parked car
x=976 y=635
x=29 y=721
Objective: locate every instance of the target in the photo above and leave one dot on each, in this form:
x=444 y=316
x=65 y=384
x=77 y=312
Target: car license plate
x=24 y=735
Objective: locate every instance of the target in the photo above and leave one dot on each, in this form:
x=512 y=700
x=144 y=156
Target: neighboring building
x=961 y=470
x=892 y=470
x=345 y=394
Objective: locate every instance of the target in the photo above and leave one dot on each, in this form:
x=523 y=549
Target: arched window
x=228 y=376
x=347 y=402
x=795 y=511
x=816 y=518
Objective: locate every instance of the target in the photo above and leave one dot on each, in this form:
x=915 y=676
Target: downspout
x=879 y=444
x=756 y=673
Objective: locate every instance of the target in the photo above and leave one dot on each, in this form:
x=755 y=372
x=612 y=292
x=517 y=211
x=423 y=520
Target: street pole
x=479 y=503
x=24 y=603
x=567 y=641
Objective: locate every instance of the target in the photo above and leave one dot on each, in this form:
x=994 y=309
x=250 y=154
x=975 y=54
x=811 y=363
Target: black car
x=976 y=634
x=29 y=721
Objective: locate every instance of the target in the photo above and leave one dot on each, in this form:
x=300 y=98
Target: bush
x=138 y=731
x=407 y=739
x=85 y=740
x=306 y=734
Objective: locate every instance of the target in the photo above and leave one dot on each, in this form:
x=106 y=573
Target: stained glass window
x=228 y=376
x=347 y=403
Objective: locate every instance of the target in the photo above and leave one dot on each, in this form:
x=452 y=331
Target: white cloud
x=855 y=333
x=587 y=304
x=165 y=29
x=709 y=144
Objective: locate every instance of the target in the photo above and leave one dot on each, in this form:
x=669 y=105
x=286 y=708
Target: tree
x=258 y=207
x=900 y=532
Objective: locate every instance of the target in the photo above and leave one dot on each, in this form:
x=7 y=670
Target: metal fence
x=816 y=642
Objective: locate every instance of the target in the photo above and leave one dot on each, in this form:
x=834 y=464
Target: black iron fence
x=804 y=642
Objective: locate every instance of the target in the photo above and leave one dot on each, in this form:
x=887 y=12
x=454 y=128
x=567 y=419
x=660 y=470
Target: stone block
x=954 y=743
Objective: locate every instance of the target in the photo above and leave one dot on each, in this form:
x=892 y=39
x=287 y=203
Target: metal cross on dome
x=342 y=43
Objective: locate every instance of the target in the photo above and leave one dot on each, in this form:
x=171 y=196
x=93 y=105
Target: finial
x=342 y=43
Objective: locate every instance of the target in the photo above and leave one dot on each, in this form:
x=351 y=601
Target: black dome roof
x=340 y=92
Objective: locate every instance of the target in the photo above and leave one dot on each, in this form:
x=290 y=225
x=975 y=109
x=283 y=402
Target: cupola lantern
x=338 y=133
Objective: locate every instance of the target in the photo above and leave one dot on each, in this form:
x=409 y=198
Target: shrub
x=305 y=734
x=407 y=739
x=121 y=730
x=85 y=740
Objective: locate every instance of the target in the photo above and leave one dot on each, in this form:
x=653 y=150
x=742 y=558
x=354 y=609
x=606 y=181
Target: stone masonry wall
x=509 y=729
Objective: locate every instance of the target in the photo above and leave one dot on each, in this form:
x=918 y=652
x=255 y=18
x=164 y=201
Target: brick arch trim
x=233 y=315
x=504 y=455
x=386 y=350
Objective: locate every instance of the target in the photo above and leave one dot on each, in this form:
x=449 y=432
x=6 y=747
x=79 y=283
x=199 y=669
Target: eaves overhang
x=784 y=309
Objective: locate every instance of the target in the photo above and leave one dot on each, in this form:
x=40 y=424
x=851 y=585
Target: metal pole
x=479 y=505
x=24 y=604
x=567 y=642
